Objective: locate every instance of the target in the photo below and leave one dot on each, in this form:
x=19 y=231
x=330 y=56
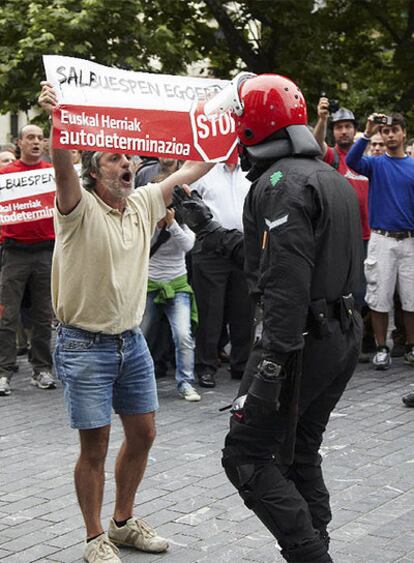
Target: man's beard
x=117 y=189
x=345 y=145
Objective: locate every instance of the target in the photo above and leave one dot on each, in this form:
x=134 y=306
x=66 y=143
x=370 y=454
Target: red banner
x=183 y=135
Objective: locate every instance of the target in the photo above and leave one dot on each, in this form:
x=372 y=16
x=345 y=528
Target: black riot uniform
x=302 y=253
x=302 y=249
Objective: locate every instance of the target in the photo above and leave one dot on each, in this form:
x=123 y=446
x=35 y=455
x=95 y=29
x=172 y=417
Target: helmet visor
x=228 y=99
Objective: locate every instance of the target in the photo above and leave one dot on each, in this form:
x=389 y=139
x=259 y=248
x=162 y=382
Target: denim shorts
x=100 y=371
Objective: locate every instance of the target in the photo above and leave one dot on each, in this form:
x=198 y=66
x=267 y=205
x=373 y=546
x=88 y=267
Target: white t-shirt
x=224 y=192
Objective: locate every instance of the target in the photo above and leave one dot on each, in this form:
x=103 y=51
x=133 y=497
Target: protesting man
x=26 y=261
x=99 y=283
x=299 y=218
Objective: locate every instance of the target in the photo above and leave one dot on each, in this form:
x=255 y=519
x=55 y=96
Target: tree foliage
x=359 y=51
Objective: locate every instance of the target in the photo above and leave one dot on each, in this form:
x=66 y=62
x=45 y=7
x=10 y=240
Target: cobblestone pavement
x=369 y=467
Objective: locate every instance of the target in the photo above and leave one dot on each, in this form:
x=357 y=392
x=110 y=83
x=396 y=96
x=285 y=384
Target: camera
x=333 y=104
x=383 y=119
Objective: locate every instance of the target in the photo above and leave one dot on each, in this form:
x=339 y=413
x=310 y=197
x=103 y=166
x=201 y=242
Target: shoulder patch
x=277 y=222
x=276 y=177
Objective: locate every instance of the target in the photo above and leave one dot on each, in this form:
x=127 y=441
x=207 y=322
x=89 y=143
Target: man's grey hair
x=90 y=163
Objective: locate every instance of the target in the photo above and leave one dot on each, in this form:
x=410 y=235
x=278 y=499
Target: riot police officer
x=302 y=249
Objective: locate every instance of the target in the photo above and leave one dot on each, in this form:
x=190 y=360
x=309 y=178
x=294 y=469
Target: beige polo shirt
x=100 y=262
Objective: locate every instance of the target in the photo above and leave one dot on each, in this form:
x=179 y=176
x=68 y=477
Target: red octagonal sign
x=214 y=137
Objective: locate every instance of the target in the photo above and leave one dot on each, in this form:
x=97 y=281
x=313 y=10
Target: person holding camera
x=344 y=129
x=390 y=259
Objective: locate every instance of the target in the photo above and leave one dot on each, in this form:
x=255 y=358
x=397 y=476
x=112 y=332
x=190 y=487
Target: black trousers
x=292 y=500
x=221 y=291
x=21 y=269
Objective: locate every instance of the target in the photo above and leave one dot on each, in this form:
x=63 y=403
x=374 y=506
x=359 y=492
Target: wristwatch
x=269 y=369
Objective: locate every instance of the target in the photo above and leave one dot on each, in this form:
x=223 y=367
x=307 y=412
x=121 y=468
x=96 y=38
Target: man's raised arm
x=68 y=190
x=319 y=131
x=189 y=173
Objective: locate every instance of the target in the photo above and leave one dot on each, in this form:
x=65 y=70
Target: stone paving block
x=33 y=553
x=192 y=504
x=68 y=555
x=27 y=540
x=405 y=541
x=227 y=553
x=210 y=528
x=66 y=540
x=27 y=527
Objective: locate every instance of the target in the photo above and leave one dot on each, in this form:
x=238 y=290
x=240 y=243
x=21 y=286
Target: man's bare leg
x=90 y=477
x=132 y=460
x=408 y=317
x=379 y=326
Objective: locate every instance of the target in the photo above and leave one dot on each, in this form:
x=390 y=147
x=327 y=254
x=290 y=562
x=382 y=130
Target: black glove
x=197 y=216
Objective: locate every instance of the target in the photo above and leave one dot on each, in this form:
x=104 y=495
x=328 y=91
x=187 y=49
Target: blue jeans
x=100 y=371
x=178 y=313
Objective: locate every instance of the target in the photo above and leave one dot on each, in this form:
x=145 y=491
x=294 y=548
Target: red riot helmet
x=270 y=102
x=263 y=105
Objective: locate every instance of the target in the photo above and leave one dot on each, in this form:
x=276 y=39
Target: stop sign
x=214 y=137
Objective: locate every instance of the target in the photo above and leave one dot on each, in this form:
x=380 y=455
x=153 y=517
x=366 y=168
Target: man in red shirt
x=26 y=260
x=344 y=130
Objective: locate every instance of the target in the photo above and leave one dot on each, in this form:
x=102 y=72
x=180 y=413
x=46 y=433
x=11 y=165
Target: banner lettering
x=114 y=110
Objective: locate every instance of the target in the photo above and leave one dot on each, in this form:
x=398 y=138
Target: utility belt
x=398 y=235
x=13 y=244
x=320 y=311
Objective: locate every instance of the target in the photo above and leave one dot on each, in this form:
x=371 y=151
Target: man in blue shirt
x=390 y=259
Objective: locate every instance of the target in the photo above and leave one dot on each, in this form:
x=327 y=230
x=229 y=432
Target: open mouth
x=126 y=177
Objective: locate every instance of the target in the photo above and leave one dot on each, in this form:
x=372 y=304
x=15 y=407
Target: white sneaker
x=409 y=356
x=137 y=533
x=43 y=380
x=188 y=393
x=4 y=386
x=382 y=359
x=101 y=550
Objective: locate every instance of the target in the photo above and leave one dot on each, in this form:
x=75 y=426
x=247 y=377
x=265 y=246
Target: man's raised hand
x=47 y=98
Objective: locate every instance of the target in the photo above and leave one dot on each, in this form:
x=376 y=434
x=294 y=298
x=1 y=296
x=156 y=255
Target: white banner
x=27 y=196
x=137 y=112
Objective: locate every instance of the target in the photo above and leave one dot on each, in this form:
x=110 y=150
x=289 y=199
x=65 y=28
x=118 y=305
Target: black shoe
x=223 y=357
x=206 y=379
x=236 y=374
x=22 y=351
x=408 y=400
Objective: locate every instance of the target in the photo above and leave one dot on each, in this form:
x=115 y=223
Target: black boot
x=314 y=551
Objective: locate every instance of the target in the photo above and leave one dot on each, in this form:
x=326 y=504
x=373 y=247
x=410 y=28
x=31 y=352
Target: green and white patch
x=276 y=177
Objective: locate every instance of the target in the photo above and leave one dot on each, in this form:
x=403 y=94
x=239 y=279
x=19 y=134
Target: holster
x=267 y=390
x=320 y=312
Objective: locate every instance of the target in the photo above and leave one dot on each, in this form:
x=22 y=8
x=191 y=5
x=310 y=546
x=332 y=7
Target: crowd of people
x=191 y=332
x=117 y=270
